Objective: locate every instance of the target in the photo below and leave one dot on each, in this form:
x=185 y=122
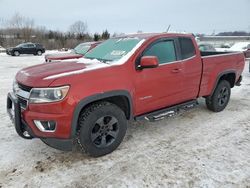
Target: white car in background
x=2 y=49
x=241 y=47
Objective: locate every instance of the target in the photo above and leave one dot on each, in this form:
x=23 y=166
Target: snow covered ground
x=198 y=148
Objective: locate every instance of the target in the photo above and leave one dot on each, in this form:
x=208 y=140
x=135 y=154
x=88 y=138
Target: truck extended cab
x=88 y=102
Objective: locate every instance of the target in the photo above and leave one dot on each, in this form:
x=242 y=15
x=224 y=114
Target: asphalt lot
x=198 y=148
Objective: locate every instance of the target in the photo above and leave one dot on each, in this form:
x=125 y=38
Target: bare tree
x=79 y=29
x=2 y=21
x=21 y=26
x=16 y=21
x=27 y=29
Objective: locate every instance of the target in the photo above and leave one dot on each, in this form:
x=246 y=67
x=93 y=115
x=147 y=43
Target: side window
x=25 y=46
x=30 y=46
x=187 y=48
x=163 y=50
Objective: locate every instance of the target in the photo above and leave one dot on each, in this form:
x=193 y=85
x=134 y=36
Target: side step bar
x=167 y=112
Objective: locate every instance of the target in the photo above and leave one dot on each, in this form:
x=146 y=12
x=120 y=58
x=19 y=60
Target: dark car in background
x=76 y=53
x=26 y=48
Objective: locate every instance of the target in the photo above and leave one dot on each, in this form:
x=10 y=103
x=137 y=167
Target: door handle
x=177 y=70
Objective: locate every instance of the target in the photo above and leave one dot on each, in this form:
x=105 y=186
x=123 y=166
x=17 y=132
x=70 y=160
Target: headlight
x=46 y=95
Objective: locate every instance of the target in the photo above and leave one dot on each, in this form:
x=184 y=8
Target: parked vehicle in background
x=26 y=48
x=88 y=102
x=247 y=52
x=241 y=47
x=206 y=47
x=225 y=45
x=2 y=49
x=76 y=53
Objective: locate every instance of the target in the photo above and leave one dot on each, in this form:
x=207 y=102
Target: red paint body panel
x=215 y=65
x=33 y=76
x=150 y=89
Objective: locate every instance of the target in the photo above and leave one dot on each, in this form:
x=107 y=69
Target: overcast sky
x=127 y=16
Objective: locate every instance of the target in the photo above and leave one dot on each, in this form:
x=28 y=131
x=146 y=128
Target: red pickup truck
x=88 y=102
x=76 y=53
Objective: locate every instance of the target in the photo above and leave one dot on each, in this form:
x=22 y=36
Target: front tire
x=16 y=53
x=220 y=98
x=103 y=126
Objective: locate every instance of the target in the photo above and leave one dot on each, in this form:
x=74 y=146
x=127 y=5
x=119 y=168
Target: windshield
x=113 y=49
x=81 y=48
x=20 y=45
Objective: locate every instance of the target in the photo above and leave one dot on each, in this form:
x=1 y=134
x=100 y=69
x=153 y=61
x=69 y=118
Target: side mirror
x=148 y=62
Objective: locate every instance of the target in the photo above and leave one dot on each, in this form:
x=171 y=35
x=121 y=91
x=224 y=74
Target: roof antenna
x=168 y=28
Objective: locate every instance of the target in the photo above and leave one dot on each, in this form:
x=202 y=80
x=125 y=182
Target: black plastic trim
x=19 y=124
x=163 y=110
x=219 y=77
x=238 y=83
x=60 y=144
x=84 y=102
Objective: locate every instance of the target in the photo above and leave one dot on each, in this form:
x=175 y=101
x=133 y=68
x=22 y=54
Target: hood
x=44 y=74
x=34 y=76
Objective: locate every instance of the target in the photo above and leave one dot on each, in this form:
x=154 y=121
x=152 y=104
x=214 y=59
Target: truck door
x=28 y=49
x=191 y=68
x=161 y=86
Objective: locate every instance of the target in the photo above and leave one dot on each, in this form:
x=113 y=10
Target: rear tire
x=39 y=52
x=103 y=126
x=220 y=98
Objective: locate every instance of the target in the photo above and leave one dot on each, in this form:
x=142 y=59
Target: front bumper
x=27 y=130
x=14 y=111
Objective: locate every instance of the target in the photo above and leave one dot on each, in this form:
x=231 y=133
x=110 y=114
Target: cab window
x=163 y=50
x=187 y=47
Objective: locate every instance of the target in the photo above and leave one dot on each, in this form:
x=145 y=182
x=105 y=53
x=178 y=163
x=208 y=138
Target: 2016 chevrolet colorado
x=88 y=102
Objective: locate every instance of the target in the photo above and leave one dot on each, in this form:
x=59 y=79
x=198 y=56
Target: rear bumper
x=27 y=130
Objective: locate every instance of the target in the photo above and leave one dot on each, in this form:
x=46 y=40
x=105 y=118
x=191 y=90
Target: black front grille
x=25 y=88
x=23 y=102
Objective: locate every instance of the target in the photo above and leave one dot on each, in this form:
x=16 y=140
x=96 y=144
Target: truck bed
x=207 y=53
x=216 y=63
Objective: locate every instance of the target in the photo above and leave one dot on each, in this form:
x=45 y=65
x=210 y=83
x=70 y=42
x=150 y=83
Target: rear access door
x=191 y=67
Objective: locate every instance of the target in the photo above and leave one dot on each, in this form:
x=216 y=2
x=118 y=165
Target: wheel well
x=230 y=77
x=121 y=101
